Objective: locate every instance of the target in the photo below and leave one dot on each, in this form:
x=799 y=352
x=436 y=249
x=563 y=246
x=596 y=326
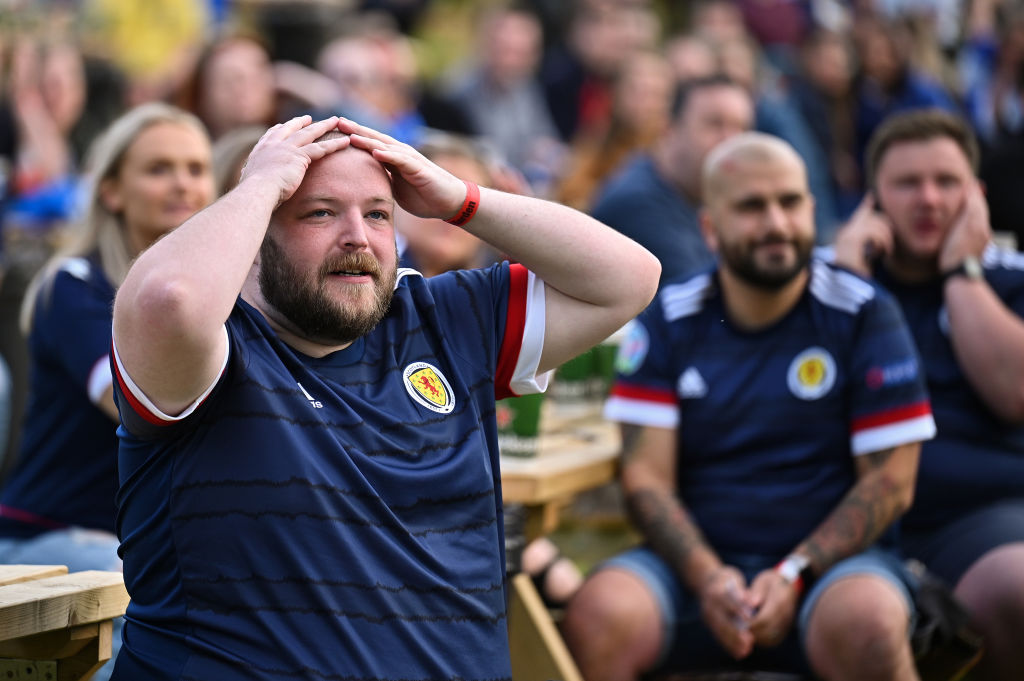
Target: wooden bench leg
x=538 y=651
x=72 y=654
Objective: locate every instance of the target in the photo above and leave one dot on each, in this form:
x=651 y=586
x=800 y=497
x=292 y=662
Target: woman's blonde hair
x=100 y=232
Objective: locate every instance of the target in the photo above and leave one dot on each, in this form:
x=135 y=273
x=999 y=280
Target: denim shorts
x=953 y=548
x=689 y=645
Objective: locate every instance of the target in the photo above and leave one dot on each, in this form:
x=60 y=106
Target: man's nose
x=775 y=217
x=352 y=231
x=930 y=193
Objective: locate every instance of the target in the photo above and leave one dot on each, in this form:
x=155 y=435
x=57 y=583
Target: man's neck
x=910 y=270
x=751 y=307
x=280 y=325
x=687 y=187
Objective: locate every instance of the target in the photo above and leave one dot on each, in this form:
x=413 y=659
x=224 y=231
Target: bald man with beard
x=772 y=411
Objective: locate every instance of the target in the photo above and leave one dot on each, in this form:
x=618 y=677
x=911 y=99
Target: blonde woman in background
x=148 y=172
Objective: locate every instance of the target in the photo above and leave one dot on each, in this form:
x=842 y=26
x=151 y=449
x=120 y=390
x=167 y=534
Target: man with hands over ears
x=766 y=454
x=923 y=233
x=309 y=482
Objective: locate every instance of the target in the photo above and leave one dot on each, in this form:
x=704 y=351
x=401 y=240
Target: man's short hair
x=922 y=125
x=684 y=91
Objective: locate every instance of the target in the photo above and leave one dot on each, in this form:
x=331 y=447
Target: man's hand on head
x=285 y=152
x=421 y=187
x=970 y=232
x=867 y=235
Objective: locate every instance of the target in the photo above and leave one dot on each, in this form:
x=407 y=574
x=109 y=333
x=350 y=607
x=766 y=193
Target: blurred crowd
x=557 y=94
x=562 y=92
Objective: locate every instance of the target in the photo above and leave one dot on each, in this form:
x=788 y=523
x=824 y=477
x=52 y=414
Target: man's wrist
x=969 y=268
x=469 y=205
x=795 y=569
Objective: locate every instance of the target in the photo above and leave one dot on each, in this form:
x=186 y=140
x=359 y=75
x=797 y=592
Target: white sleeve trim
x=153 y=409
x=893 y=435
x=641 y=413
x=99 y=379
x=525 y=379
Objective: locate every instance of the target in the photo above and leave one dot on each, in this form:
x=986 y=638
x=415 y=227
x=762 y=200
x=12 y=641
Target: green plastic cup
x=603 y=370
x=519 y=425
x=571 y=384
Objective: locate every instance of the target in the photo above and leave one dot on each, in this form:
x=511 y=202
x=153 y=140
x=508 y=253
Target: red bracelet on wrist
x=469 y=206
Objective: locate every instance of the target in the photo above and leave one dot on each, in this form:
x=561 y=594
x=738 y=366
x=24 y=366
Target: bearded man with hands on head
x=309 y=481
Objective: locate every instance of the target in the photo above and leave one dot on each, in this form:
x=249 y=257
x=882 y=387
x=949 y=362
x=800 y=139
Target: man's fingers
x=351 y=127
x=367 y=143
x=288 y=127
x=317 y=150
x=866 y=205
x=308 y=133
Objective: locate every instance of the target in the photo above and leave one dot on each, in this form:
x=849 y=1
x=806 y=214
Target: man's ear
x=707 y=230
x=109 y=193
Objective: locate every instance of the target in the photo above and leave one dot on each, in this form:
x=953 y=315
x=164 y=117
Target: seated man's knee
x=613 y=613
x=993 y=588
x=859 y=622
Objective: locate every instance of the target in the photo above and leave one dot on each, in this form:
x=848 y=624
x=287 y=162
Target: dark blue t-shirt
x=639 y=203
x=65 y=472
x=769 y=421
x=976 y=458
x=332 y=518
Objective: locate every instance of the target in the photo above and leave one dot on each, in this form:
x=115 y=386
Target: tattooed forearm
x=861 y=517
x=667 y=527
x=630 y=440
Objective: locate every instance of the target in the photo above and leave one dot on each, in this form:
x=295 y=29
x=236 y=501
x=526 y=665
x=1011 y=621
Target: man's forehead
x=924 y=155
x=346 y=170
x=718 y=99
x=737 y=177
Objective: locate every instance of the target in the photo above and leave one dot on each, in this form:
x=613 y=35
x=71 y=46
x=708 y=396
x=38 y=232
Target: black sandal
x=539 y=580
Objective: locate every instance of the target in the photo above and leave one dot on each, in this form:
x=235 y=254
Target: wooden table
x=56 y=626
x=577 y=453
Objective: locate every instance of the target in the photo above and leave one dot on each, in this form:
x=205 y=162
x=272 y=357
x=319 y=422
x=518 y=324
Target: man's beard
x=742 y=261
x=305 y=303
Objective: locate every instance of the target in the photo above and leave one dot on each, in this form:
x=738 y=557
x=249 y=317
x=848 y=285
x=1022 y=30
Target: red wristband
x=469 y=206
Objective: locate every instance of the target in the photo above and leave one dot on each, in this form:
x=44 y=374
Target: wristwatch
x=796 y=570
x=969 y=267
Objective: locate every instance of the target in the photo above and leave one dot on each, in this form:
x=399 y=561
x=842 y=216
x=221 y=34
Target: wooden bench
x=575 y=455
x=56 y=626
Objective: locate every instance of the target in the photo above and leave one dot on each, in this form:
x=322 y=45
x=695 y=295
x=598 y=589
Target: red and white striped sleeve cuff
x=642 y=406
x=892 y=428
x=144 y=407
x=521 y=348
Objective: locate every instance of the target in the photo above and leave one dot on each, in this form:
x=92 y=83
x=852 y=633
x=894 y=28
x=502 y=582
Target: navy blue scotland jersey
x=332 y=518
x=65 y=472
x=769 y=421
x=976 y=458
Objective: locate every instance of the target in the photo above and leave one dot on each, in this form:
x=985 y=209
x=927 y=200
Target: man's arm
x=596 y=279
x=883 y=492
x=648 y=483
x=988 y=340
x=987 y=336
x=170 y=312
